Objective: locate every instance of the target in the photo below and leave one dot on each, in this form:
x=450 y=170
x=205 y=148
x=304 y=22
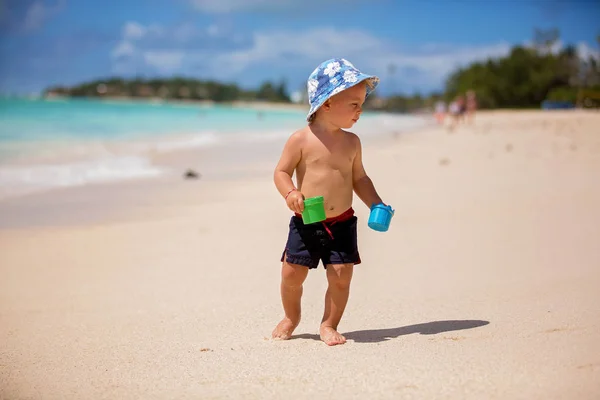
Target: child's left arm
x=362 y=184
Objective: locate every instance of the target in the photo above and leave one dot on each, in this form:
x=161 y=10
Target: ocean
x=52 y=143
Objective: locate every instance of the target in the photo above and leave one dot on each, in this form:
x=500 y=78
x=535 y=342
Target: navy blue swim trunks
x=333 y=241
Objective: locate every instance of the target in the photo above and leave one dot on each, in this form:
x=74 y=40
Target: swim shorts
x=333 y=241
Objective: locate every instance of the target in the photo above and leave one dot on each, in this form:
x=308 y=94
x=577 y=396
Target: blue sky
x=51 y=42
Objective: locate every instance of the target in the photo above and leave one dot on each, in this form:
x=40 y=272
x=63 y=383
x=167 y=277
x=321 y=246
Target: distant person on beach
x=471 y=106
x=440 y=112
x=457 y=111
x=327 y=160
x=462 y=107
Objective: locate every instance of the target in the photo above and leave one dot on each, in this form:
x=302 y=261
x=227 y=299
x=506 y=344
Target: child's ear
x=327 y=105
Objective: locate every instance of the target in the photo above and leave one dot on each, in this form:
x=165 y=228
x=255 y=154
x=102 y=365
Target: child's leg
x=336 y=298
x=292 y=278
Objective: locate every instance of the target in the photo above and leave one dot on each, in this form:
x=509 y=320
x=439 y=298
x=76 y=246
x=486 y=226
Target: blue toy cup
x=380 y=217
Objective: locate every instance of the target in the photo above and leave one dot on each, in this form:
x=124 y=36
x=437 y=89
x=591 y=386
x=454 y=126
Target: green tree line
x=173 y=88
x=524 y=78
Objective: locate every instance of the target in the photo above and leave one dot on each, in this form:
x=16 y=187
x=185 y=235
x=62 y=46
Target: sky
x=412 y=45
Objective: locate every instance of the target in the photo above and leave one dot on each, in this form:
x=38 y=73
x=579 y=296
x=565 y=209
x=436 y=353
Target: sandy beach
x=486 y=286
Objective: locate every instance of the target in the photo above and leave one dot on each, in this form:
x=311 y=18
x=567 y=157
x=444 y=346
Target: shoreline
x=250 y=162
x=218 y=166
x=92 y=161
x=158 y=100
x=211 y=162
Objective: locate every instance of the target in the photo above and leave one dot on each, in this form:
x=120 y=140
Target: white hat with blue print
x=330 y=78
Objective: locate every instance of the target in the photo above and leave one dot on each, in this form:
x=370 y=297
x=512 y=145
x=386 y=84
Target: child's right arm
x=290 y=157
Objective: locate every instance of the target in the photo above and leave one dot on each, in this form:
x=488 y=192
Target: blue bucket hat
x=330 y=78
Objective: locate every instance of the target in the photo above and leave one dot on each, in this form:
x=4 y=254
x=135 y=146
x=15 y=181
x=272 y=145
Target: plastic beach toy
x=314 y=210
x=380 y=217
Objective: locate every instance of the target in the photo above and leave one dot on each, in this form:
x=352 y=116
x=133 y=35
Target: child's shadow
x=428 y=328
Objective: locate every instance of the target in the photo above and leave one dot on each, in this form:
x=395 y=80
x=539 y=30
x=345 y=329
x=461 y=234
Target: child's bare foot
x=284 y=329
x=330 y=336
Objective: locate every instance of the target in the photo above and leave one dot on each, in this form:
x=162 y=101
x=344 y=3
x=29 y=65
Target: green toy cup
x=314 y=210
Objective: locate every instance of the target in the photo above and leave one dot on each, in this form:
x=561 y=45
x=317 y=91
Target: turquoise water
x=23 y=120
x=45 y=144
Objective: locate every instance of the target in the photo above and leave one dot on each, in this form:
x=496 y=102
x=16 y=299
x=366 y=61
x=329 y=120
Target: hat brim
x=372 y=83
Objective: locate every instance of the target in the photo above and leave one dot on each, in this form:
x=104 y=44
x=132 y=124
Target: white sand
x=485 y=287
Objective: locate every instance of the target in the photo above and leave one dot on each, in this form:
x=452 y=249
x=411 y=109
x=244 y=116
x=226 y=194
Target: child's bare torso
x=325 y=169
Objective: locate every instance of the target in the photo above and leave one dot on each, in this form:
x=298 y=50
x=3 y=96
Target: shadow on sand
x=428 y=328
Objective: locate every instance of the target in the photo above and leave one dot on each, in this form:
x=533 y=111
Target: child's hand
x=295 y=201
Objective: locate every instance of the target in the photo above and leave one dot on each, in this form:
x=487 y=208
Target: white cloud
x=555 y=48
x=123 y=49
x=585 y=51
x=311 y=45
x=35 y=16
x=436 y=65
x=133 y=30
x=186 y=32
x=366 y=51
x=164 y=61
x=288 y=53
x=38 y=13
x=156 y=48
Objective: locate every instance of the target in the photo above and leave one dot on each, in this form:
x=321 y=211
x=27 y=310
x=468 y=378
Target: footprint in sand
x=563 y=329
x=454 y=338
x=588 y=366
x=401 y=387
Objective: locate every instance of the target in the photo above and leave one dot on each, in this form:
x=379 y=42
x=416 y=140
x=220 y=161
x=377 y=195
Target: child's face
x=344 y=108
